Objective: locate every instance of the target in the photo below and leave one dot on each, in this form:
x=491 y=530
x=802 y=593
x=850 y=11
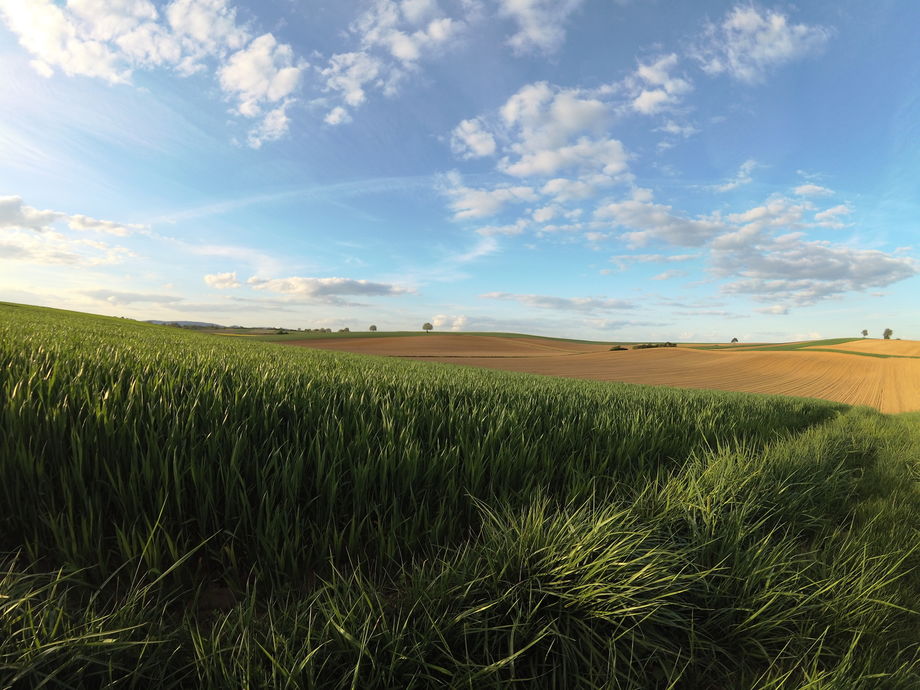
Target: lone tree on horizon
x=372 y=328
x=734 y=340
x=864 y=333
x=426 y=327
x=887 y=334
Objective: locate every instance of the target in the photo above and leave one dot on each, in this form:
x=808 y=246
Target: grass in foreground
x=191 y=511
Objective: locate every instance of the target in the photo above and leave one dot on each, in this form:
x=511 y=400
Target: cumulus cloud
x=540 y=23
x=471 y=203
x=54 y=248
x=566 y=189
x=349 y=74
x=15 y=214
x=263 y=72
x=648 y=221
x=451 y=323
x=29 y=234
x=653 y=86
x=470 y=140
x=326 y=290
x=789 y=270
x=556 y=129
x=749 y=42
x=222 y=281
x=676 y=129
x=391 y=38
x=109 y=40
x=580 y=304
x=830 y=218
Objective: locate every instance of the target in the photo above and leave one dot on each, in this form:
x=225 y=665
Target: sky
x=690 y=170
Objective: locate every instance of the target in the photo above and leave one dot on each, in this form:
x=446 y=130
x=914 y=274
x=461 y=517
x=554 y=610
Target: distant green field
x=182 y=510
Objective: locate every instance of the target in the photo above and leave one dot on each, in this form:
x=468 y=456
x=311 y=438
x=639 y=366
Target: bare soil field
x=901 y=348
x=890 y=385
x=450 y=346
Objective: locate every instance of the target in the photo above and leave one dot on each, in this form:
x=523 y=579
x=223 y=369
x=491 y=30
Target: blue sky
x=590 y=168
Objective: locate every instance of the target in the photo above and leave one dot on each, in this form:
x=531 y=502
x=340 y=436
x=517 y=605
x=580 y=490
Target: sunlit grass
x=183 y=510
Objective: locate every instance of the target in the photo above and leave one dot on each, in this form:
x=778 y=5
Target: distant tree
x=887 y=334
x=344 y=330
x=372 y=328
x=734 y=340
x=427 y=327
x=864 y=333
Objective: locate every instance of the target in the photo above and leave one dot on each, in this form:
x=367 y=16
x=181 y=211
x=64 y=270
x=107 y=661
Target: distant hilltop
x=186 y=324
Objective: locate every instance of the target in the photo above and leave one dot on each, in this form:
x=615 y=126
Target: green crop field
x=182 y=510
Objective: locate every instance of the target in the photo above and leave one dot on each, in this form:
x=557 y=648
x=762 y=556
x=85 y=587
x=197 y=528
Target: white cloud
x=515 y=228
x=830 y=218
x=608 y=155
x=470 y=140
x=222 y=281
x=109 y=39
x=52 y=35
x=654 y=88
x=54 y=248
x=81 y=222
x=28 y=234
x=350 y=74
x=667 y=275
x=326 y=290
x=15 y=214
x=580 y=304
x=566 y=189
x=541 y=23
x=812 y=190
x=672 y=127
x=741 y=178
x=337 y=116
x=789 y=270
x=263 y=72
x=452 y=323
x=554 y=129
x=205 y=27
x=776 y=309
x=650 y=221
x=273 y=126
x=469 y=202
x=545 y=214
x=749 y=42
x=487 y=245
x=121 y=298
x=623 y=260
x=391 y=39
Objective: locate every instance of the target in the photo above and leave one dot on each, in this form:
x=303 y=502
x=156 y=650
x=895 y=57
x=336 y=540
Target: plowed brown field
x=901 y=348
x=890 y=385
x=452 y=346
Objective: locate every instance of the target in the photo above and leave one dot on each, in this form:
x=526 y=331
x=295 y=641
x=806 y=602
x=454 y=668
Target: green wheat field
x=181 y=510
